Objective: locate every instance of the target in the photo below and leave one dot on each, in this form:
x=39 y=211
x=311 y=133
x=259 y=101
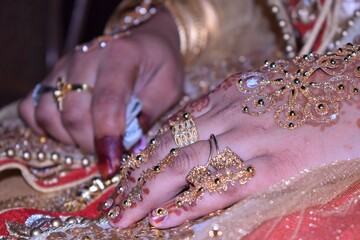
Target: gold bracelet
x=194 y=20
x=130 y=14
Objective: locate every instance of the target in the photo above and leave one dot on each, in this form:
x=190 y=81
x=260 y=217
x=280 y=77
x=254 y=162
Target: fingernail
x=109 y=149
x=159 y=214
x=114 y=214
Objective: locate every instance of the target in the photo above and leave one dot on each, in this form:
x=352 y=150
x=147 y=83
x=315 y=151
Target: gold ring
x=184 y=131
x=229 y=170
x=62 y=88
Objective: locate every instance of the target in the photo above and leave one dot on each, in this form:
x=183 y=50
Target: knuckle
x=73 y=118
x=185 y=161
x=43 y=117
x=104 y=99
x=285 y=162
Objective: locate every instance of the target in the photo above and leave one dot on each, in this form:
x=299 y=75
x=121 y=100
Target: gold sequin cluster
x=148 y=174
x=289 y=86
x=228 y=169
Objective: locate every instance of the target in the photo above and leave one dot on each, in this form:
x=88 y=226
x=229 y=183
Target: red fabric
x=303 y=28
x=75 y=175
x=20 y=215
x=320 y=222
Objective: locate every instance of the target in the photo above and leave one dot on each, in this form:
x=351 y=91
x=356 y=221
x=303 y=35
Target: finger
x=166 y=142
x=170 y=215
x=27 y=106
x=110 y=98
x=165 y=185
x=27 y=113
x=157 y=100
x=76 y=115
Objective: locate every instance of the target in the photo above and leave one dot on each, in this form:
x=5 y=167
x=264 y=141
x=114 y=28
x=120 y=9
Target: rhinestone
x=292 y=113
x=250 y=169
x=56 y=222
x=260 y=102
x=26 y=155
x=296 y=81
x=35 y=232
x=252 y=82
x=344 y=33
x=320 y=106
x=108 y=203
x=356 y=90
x=179 y=203
x=41 y=156
x=153 y=141
x=173 y=151
x=217 y=181
x=272 y=65
x=10 y=152
x=120 y=190
x=332 y=61
x=291 y=125
x=351 y=23
x=286 y=36
x=245 y=109
x=341 y=87
x=357 y=13
x=186 y=116
x=139 y=158
x=157 y=168
x=266 y=63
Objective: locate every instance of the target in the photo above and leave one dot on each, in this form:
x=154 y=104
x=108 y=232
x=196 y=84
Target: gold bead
x=26 y=155
x=56 y=222
x=55 y=156
x=41 y=156
x=10 y=152
x=85 y=162
x=69 y=160
x=71 y=220
x=35 y=232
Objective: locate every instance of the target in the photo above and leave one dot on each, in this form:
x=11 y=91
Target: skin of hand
x=276 y=153
x=146 y=63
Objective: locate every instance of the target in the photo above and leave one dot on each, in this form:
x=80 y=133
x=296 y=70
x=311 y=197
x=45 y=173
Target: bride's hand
x=146 y=63
x=275 y=152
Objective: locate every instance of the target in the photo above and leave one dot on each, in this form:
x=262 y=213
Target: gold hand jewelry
x=62 y=88
x=184 y=130
x=300 y=99
x=228 y=169
x=150 y=173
